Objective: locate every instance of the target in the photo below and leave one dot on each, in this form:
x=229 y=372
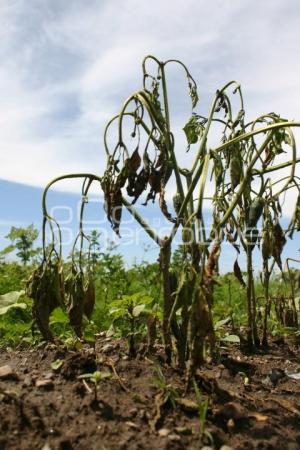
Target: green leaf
x=111 y=331
x=73 y=342
x=137 y=310
x=221 y=323
x=10 y=298
x=5 y=309
x=8 y=249
x=233 y=338
x=191 y=130
x=56 y=365
x=193 y=94
x=101 y=375
x=85 y=376
x=95 y=376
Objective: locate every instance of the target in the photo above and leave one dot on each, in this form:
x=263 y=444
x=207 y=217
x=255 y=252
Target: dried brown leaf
x=279 y=241
x=238 y=273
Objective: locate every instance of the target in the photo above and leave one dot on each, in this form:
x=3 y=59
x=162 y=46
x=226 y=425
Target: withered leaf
x=89 y=298
x=213 y=258
x=138 y=185
x=75 y=297
x=135 y=161
x=163 y=205
x=236 y=169
x=46 y=288
x=238 y=273
x=279 y=241
x=255 y=211
x=267 y=244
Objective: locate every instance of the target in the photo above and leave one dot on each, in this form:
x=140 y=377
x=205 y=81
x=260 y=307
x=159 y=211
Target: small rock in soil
x=163 y=432
x=49 y=375
x=230 y=425
x=226 y=447
x=187 y=404
x=132 y=425
x=6 y=372
x=46 y=447
x=184 y=430
x=174 y=437
x=27 y=381
x=44 y=384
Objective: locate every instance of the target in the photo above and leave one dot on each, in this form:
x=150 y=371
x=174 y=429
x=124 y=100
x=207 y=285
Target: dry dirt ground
x=253 y=404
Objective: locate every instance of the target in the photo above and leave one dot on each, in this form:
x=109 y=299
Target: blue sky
x=66 y=67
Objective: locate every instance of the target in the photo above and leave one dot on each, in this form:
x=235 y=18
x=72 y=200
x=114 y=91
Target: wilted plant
x=237 y=207
x=236 y=176
x=49 y=287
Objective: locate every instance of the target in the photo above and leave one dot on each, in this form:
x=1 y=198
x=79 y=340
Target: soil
x=253 y=404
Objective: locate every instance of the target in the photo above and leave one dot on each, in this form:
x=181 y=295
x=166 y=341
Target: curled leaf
x=89 y=298
x=193 y=94
x=193 y=129
x=46 y=288
x=255 y=211
x=236 y=169
x=279 y=242
x=238 y=273
x=75 y=299
x=267 y=243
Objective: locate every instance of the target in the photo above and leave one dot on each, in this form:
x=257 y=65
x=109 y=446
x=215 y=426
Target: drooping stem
x=267 y=299
x=141 y=221
x=250 y=330
x=46 y=215
x=169 y=144
x=164 y=260
x=293 y=288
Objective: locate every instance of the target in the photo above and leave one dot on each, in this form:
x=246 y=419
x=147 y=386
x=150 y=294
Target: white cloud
x=67 y=66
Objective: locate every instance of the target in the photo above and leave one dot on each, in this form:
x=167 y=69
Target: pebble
x=6 y=372
x=184 y=430
x=132 y=425
x=45 y=384
x=206 y=448
x=230 y=425
x=174 y=437
x=226 y=447
x=49 y=375
x=46 y=447
x=163 y=432
x=27 y=381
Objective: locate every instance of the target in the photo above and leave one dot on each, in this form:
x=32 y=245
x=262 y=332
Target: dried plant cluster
x=243 y=195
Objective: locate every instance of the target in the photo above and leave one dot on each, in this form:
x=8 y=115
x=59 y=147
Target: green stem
x=44 y=205
x=277 y=167
x=141 y=221
x=170 y=146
